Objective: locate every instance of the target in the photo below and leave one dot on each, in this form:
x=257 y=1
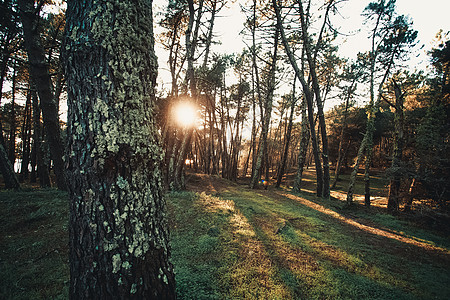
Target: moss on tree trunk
x=119 y=245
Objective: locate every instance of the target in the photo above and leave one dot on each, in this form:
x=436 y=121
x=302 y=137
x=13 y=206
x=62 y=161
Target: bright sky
x=428 y=16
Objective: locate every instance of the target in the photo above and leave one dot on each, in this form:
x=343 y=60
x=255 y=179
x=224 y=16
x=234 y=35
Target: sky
x=428 y=18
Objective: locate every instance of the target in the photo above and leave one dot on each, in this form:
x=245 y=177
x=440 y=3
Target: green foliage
x=433 y=147
x=440 y=59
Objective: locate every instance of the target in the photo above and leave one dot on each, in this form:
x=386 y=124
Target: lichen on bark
x=115 y=154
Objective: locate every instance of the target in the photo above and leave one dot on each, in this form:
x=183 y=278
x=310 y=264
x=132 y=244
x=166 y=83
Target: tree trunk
x=178 y=182
x=309 y=100
x=40 y=75
x=282 y=167
x=394 y=185
x=337 y=169
x=368 y=164
x=12 y=121
x=191 y=44
x=304 y=141
x=266 y=120
x=410 y=197
x=5 y=55
x=325 y=193
x=7 y=169
x=26 y=138
x=118 y=233
x=41 y=168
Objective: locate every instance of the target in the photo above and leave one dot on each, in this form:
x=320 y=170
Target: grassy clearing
x=312 y=255
x=236 y=243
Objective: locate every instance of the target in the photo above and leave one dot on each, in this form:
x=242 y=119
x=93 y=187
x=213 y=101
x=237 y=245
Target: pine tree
x=118 y=232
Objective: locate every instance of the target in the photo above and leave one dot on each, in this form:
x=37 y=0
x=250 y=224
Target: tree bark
x=394 y=184
x=7 y=169
x=304 y=141
x=118 y=233
x=40 y=75
x=12 y=120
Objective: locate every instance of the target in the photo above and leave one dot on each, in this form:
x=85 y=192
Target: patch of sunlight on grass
x=196 y=252
x=363 y=227
x=297 y=251
x=210 y=235
x=359 y=276
x=339 y=275
x=250 y=276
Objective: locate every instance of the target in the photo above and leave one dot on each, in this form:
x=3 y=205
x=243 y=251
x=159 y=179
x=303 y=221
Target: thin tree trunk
x=302 y=156
x=26 y=134
x=309 y=100
x=38 y=145
x=3 y=71
x=210 y=33
x=341 y=140
x=12 y=120
x=410 y=198
x=394 y=185
x=282 y=167
x=315 y=84
x=40 y=75
x=191 y=44
x=266 y=120
x=368 y=163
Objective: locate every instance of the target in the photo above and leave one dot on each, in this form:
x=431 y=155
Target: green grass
x=239 y=244
x=195 y=243
x=34 y=245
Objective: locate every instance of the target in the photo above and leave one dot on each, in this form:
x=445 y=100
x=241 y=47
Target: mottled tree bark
x=119 y=246
x=41 y=77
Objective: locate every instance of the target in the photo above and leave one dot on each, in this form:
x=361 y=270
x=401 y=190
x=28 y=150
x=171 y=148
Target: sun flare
x=185 y=114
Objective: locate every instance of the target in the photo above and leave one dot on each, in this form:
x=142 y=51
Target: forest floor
x=231 y=242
